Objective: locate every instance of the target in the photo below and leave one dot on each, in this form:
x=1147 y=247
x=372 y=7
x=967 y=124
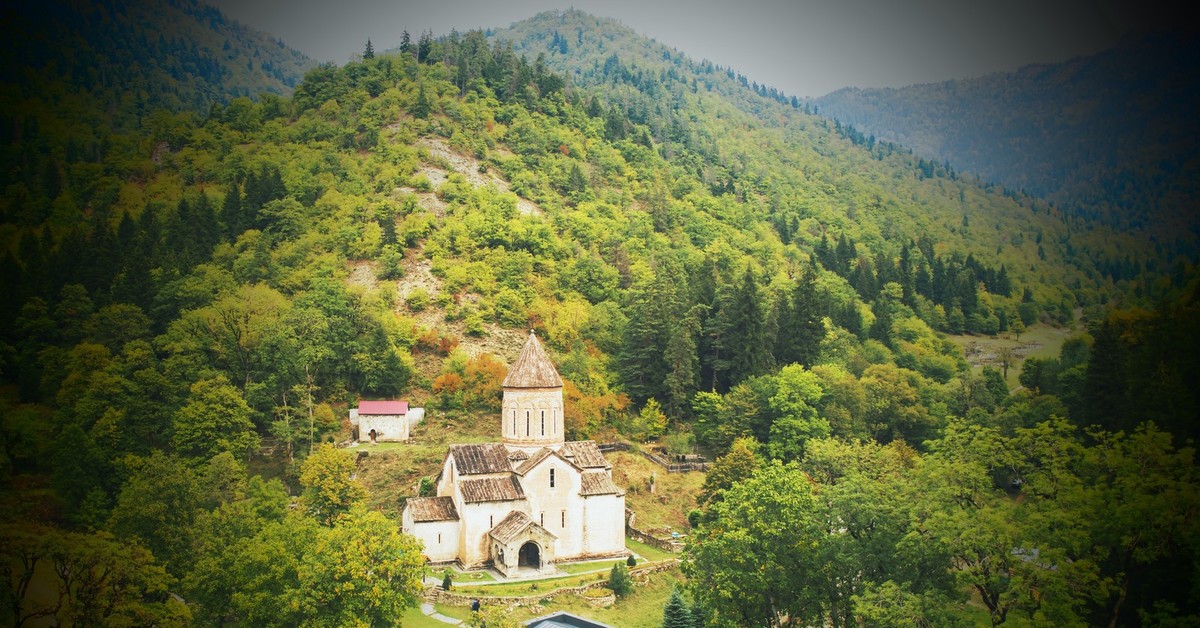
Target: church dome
x=533 y=368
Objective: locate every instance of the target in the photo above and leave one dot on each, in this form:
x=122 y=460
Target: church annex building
x=530 y=500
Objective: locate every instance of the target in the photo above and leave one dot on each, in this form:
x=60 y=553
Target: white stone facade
x=532 y=499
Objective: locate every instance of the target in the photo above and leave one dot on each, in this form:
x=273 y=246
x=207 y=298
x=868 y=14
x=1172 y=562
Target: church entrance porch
x=520 y=547
x=530 y=556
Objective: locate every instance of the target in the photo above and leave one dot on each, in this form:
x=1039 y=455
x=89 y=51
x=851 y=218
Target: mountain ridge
x=1109 y=136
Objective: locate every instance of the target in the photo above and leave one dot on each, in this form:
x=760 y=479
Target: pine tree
x=369 y=51
x=231 y=212
x=800 y=326
x=422 y=106
x=676 y=613
x=749 y=351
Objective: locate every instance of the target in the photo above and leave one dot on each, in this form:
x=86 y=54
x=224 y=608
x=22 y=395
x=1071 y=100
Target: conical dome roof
x=533 y=368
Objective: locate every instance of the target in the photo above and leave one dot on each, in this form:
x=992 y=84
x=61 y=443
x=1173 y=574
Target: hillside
x=1109 y=137
x=828 y=179
x=193 y=303
x=137 y=55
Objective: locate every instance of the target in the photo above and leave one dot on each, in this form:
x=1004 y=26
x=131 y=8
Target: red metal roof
x=382 y=407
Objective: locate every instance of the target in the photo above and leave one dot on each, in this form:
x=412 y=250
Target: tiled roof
x=584 y=454
x=511 y=526
x=431 y=509
x=382 y=407
x=597 y=483
x=532 y=368
x=533 y=460
x=491 y=490
x=481 y=458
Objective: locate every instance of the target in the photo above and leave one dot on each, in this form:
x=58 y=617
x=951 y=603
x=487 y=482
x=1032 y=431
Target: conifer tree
x=231 y=212
x=676 y=613
x=800 y=326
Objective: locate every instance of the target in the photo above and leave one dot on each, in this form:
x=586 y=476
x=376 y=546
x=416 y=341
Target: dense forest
x=709 y=264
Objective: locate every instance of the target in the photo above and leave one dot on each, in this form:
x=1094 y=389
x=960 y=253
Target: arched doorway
x=530 y=555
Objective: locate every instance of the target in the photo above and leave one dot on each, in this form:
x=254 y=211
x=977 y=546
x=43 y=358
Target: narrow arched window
x=527 y=423
x=551 y=478
x=543 y=422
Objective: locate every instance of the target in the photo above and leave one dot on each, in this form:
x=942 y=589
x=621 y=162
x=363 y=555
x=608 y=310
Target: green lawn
x=1039 y=341
x=648 y=552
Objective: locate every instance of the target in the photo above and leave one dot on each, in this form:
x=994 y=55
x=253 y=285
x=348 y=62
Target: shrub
x=417 y=299
x=619 y=580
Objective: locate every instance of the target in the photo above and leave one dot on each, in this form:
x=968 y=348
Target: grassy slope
x=1039 y=341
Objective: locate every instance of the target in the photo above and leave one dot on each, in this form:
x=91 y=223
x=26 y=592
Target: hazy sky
x=802 y=47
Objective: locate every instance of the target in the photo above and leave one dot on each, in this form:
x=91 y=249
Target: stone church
x=529 y=501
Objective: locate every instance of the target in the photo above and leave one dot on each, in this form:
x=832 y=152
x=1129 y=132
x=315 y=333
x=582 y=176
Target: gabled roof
x=504 y=489
x=532 y=368
x=372 y=407
x=480 y=459
x=515 y=523
x=584 y=454
x=536 y=459
x=597 y=483
x=431 y=509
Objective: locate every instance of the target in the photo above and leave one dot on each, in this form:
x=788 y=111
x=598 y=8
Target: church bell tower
x=532 y=414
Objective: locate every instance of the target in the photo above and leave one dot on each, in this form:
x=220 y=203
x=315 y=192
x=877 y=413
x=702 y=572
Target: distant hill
x=1110 y=137
x=173 y=54
x=829 y=179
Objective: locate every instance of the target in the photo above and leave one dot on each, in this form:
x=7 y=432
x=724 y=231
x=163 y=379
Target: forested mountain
x=707 y=263
x=1111 y=137
x=129 y=57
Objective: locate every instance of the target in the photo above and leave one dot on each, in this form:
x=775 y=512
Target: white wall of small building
x=440 y=538
x=388 y=427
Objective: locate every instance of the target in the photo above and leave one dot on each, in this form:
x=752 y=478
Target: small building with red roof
x=384 y=420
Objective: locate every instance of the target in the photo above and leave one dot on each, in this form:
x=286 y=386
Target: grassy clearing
x=665 y=510
x=1039 y=341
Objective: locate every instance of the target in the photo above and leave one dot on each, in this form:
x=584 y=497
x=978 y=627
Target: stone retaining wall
x=666 y=545
x=454 y=598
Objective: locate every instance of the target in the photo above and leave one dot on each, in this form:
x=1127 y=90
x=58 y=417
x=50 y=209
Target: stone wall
x=667 y=545
x=453 y=598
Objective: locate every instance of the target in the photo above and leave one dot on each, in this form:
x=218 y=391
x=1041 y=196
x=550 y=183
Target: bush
x=417 y=299
x=631 y=561
x=619 y=580
x=447 y=581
